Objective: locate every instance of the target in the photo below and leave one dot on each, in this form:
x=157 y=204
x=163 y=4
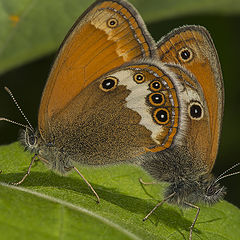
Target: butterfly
x=76 y=123
x=190 y=53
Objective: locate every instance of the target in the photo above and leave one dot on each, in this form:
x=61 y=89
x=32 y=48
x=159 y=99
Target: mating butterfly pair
x=116 y=96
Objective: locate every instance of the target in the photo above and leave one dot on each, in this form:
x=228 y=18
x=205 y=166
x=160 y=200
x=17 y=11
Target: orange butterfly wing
x=205 y=66
x=107 y=35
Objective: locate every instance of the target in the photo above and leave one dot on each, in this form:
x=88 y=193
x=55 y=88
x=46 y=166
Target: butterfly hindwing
x=134 y=109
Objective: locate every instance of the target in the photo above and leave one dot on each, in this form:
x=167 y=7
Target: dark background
x=27 y=83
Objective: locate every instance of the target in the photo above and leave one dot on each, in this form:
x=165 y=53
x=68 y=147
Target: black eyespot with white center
x=161 y=116
x=156 y=99
x=108 y=84
x=195 y=111
x=112 y=22
x=139 y=78
x=155 y=85
x=185 y=54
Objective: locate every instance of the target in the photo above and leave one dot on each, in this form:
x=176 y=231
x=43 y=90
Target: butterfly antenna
x=224 y=175
x=20 y=110
x=11 y=121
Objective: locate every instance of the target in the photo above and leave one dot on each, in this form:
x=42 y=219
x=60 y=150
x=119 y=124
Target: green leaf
x=26 y=212
x=32 y=28
x=49 y=206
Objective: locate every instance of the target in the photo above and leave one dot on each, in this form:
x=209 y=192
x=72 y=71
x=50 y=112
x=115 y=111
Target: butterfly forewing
x=107 y=35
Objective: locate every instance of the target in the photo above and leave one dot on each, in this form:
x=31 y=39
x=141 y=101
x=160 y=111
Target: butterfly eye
x=195 y=111
x=185 y=54
x=155 y=85
x=112 y=22
x=161 y=116
x=30 y=138
x=108 y=84
x=156 y=99
x=139 y=78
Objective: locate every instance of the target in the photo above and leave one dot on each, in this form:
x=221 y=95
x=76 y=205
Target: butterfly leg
x=146 y=183
x=28 y=171
x=89 y=185
x=158 y=205
x=195 y=219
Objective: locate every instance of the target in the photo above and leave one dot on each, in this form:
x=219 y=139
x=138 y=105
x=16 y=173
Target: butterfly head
x=203 y=189
x=29 y=138
x=213 y=192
